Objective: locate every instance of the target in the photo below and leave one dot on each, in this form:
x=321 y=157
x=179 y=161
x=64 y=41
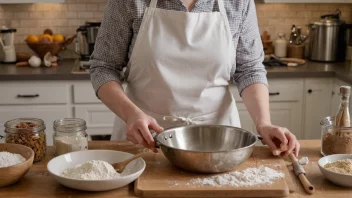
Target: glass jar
x=70 y=135
x=334 y=139
x=29 y=132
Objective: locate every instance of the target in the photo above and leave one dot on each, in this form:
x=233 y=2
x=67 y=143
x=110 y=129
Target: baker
x=178 y=58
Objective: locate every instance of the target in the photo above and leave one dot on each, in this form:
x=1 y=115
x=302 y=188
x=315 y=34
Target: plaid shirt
x=122 y=20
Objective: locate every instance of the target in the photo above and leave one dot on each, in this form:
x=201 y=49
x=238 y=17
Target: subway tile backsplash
x=65 y=18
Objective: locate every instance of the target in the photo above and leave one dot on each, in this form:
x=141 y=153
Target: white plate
x=60 y=163
x=336 y=178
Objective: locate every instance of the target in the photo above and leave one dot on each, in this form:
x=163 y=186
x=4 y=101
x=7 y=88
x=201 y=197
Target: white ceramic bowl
x=336 y=178
x=60 y=163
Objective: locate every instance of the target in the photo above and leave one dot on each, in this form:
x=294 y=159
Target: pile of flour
x=248 y=177
x=92 y=170
x=10 y=159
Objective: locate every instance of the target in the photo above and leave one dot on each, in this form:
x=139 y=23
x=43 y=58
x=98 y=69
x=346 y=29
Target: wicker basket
x=41 y=49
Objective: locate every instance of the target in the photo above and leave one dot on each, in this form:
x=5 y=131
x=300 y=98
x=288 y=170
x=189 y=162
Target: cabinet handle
x=2 y=137
x=310 y=91
x=274 y=94
x=28 y=96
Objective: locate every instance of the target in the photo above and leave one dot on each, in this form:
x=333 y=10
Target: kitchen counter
x=38 y=182
x=9 y=72
x=64 y=72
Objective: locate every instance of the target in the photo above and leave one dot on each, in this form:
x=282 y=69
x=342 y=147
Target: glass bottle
x=343 y=118
x=70 y=135
x=29 y=132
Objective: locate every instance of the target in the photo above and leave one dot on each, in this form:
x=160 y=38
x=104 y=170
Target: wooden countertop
x=38 y=183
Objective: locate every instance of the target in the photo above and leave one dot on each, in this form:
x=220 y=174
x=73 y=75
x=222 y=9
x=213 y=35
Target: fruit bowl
x=41 y=49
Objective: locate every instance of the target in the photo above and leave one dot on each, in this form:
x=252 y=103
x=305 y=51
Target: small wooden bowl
x=41 y=49
x=11 y=174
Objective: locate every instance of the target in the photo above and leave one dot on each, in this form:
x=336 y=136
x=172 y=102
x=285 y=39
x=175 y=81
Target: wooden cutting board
x=162 y=179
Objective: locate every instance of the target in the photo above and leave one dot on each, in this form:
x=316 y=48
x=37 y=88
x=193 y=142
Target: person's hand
x=279 y=139
x=138 y=126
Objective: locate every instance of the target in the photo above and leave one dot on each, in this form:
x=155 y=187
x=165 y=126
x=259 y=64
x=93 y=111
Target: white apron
x=180 y=69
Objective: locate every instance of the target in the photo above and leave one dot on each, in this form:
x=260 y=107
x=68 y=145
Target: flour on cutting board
x=253 y=176
x=248 y=177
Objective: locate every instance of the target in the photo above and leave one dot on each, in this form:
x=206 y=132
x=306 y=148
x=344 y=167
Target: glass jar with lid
x=70 y=135
x=29 y=132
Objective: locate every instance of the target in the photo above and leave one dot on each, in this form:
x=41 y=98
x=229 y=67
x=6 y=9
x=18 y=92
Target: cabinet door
x=287 y=114
x=99 y=118
x=245 y=117
x=47 y=113
x=317 y=105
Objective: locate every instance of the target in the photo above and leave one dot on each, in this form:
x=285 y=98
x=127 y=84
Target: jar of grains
x=29 y=132
x=70 y=135
x=335 y=139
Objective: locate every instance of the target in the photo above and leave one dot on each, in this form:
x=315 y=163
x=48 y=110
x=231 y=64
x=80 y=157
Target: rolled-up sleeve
x=110 y=54
x=250 y=53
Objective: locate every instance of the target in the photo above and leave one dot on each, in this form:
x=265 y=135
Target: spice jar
x=70 y=135
x=335 y=139
x=29 y=132
x=337 y=131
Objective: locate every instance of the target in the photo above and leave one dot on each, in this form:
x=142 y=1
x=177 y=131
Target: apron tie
x=188 y=121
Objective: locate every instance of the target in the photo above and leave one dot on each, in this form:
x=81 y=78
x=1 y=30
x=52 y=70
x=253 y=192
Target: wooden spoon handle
x=308 y=187
x=134 y=157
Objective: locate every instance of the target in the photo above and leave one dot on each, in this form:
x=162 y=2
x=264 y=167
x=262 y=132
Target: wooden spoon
x=299 y=171
x=120 y=166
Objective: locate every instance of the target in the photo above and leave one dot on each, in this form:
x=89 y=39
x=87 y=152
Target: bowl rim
x=321 y=159
x=207 y=125
x=95 y=180
x=20 y=145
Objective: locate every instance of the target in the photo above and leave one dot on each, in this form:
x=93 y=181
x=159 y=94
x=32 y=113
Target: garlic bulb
x=35 y=61
x=47 y=59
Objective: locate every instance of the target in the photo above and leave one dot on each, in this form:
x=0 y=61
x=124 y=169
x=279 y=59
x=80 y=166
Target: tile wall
x=65 y=18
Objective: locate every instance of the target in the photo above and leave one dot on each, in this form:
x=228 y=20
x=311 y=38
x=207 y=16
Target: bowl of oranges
x=48 y=42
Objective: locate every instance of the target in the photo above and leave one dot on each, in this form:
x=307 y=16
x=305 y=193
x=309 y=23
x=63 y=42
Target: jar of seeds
x=29 y=132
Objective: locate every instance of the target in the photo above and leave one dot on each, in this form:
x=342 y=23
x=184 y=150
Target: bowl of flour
x=91 y=170
x=15 y=161
x=337 y=169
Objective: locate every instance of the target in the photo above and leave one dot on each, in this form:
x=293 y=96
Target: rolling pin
x=301 y=174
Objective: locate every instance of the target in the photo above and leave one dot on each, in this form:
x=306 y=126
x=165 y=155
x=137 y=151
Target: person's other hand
x=138 y=128
x=279 y=139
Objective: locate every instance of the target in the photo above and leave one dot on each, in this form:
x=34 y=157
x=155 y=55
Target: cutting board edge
x=218 y=194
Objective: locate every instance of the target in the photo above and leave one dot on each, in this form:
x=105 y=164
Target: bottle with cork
x=343 y=118
x=337 y=132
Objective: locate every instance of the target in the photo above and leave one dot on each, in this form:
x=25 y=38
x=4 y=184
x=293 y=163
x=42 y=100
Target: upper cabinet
x=30 y=1
x=307 y=1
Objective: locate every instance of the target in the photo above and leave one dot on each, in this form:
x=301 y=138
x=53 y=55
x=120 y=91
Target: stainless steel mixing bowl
x=206 y=148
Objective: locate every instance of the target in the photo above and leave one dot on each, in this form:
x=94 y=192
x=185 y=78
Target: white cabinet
x=317 y=105
x=287 y=114
x=98 y=117
x=34 y=93
x=30 y=1
x=286 y=99
x=47 y=113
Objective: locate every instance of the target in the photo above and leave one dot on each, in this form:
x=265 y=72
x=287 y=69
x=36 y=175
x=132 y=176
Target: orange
x=59 y=38
x=46 y=37
x=32 y=39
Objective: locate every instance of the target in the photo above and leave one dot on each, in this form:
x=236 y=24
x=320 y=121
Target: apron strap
x=221 y=7
x=153 y=3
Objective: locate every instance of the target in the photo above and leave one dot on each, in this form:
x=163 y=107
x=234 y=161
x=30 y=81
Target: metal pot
x=86 y=37
x=328 y=38
x=206 y=148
